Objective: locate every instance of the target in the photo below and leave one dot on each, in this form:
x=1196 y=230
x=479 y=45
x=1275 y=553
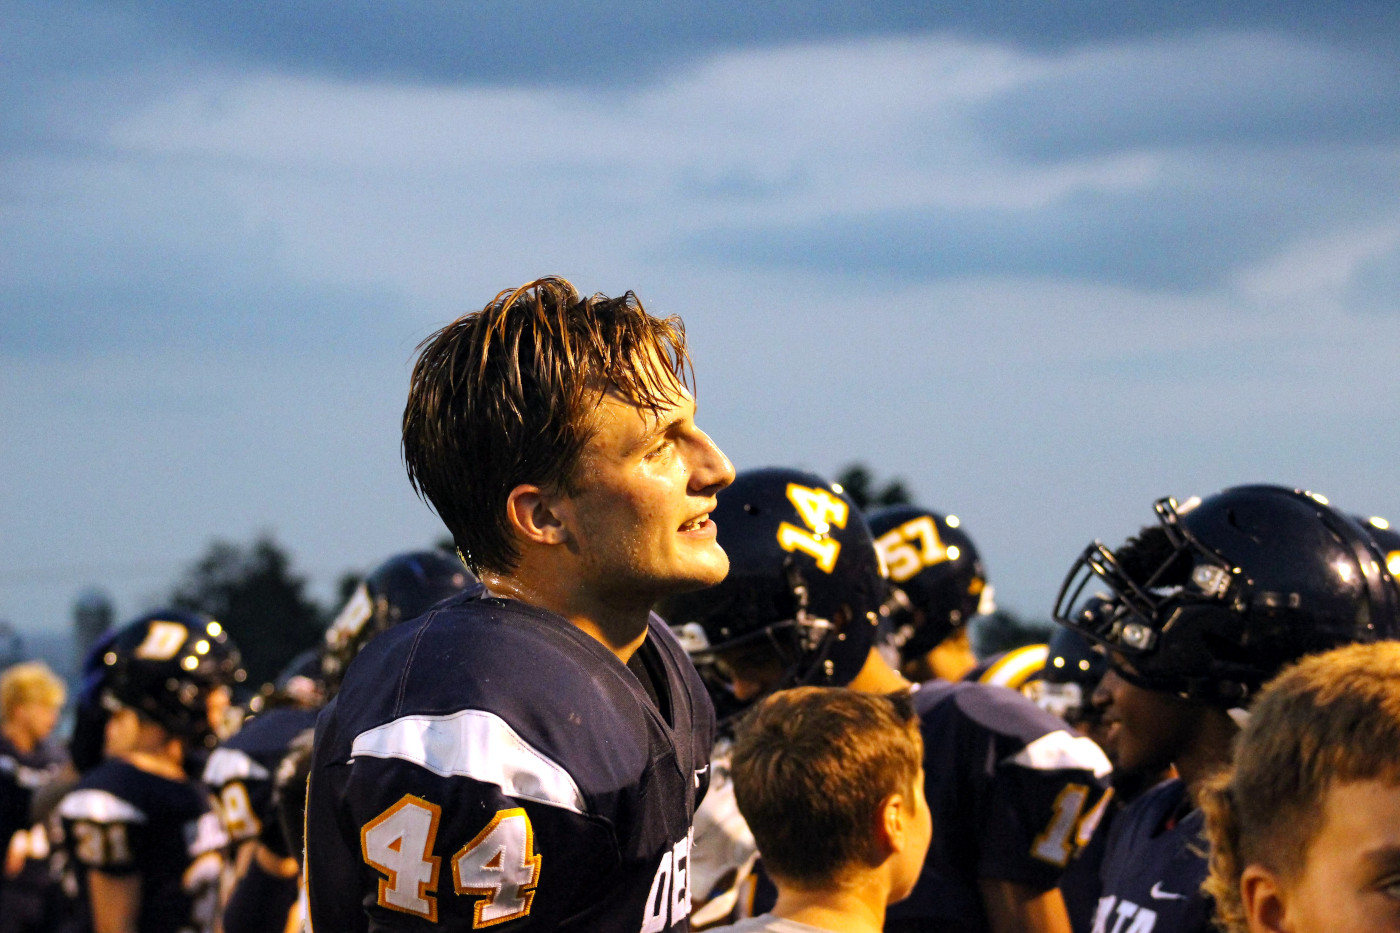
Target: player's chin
x=705 y=567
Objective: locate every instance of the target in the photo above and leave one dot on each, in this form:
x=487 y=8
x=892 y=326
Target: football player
x=1007 y=783
x=143 y=835
x=937 y=586
x=1211 y=602
x=531 y=752
x=245 y=771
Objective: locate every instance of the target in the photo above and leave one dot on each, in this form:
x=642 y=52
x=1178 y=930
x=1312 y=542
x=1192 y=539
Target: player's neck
x=620 y=627
x=1208 y=753
x=165 y=759
x=845 y=909
x=876 y=676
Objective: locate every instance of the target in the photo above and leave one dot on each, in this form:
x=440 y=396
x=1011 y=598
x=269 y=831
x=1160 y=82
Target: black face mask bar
x=1133 y=627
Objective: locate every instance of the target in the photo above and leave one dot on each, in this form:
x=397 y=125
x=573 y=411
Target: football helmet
x=403 y=587
x=165 y=665
x=802 y=595
x=1387 y=540
x=1223 y=592
x=1073 y=668
x=937 y=582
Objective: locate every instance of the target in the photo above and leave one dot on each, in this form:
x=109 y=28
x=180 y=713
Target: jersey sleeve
x=449 y=823
x=1042 y=806
x=103 y=830
x=243 y=789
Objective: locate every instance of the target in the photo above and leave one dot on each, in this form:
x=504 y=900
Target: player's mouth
x=698 y=525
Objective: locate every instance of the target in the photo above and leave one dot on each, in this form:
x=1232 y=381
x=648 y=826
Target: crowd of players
x=797 y=738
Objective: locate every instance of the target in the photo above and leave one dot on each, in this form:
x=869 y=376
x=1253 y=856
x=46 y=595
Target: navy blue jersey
x=1014 y=794
x=240 y=772
x=122 y=820
x=1154 y=866
x=491 y=764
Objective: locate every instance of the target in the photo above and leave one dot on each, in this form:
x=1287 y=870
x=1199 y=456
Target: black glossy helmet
x=1387 y=541
x=164 y=665
x=1223 y=592
x=804 y=584
x=937 y=582
x=403 y=587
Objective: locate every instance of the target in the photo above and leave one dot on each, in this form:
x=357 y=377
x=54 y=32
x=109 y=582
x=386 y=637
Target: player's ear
x=1264 y=900
x=891 y=827
x=534 y=515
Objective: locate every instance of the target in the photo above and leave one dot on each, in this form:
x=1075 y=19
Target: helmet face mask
x=401 y=588
x=1218 y=596
x=800 y=603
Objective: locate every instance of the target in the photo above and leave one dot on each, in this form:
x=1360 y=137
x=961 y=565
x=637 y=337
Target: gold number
x=237 y=811
x=819 y=509
x=901 y=556
x=1054 y=845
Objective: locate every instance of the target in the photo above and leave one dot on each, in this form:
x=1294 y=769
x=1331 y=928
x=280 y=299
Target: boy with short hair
x=1305 y=828
x=832 y=785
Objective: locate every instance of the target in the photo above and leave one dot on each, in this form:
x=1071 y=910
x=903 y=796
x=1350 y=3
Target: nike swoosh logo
x=1158 y=894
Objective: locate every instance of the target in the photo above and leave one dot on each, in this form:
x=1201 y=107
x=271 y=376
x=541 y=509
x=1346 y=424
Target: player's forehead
x=626 y=417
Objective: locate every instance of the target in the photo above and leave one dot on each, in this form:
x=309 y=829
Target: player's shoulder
x=116 y=791
x=1022 y=732
x=252 y=753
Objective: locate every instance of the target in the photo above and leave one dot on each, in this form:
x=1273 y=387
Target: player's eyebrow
x=1383 y=859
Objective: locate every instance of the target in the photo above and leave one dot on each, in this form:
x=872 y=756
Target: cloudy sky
x=1045 y=264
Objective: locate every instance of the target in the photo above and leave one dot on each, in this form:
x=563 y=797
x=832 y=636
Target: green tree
x=254 y=594
x=859 y=484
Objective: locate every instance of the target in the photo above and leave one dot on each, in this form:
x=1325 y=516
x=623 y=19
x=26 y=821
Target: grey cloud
x=1254 y=90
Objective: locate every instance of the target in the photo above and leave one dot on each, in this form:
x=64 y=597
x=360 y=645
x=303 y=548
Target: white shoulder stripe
x=99 y=806
x=229 y=764
x=478 y=745
x=1059 y=749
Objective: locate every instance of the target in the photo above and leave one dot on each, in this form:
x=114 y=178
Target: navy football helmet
x=165 y=665
x=1218 y=596
x=1073 y=668
x=937 y=582
x=403 y=587
x=803 y=592
x=1387 y=540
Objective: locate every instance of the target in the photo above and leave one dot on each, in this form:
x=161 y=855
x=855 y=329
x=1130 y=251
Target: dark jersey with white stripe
x=1014 y=795
x=122 y=820
x=492 y=765
x=1154 y=866
x=241 y=769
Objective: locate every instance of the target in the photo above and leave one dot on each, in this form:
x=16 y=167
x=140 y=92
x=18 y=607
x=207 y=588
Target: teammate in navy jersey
x=529 y=754
x=1210 y=603
x=1009 y=785
x=255 y=773
x=144 y=837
